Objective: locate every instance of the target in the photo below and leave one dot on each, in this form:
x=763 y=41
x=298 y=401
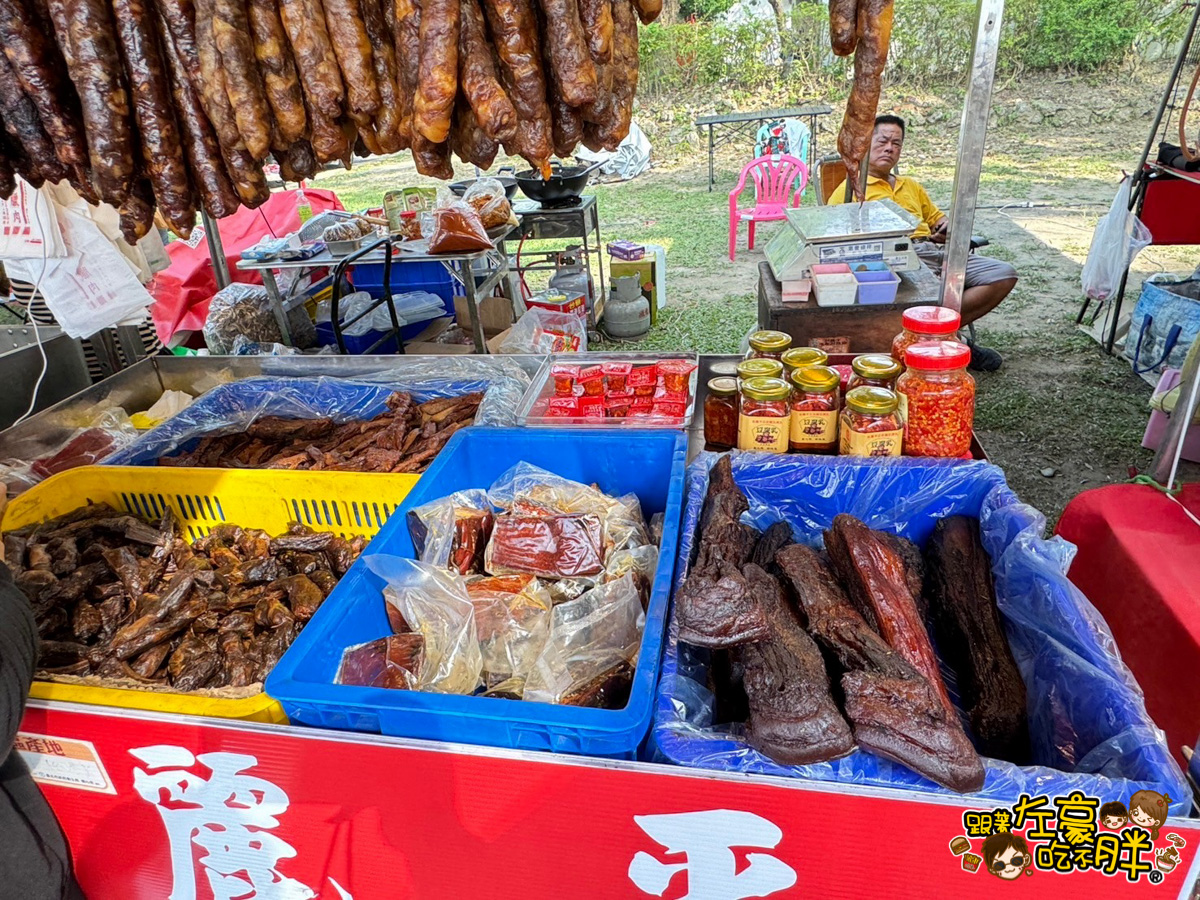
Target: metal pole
x=1166 y=460
x=216 y=250
x=970 y=150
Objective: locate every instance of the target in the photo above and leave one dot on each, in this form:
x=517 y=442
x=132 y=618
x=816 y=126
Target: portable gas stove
x=578 y=218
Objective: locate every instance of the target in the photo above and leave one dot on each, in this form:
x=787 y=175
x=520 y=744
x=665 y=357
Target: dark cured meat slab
x=719 y=611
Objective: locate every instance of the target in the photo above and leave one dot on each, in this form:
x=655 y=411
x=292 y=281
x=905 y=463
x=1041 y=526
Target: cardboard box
x=650 y=271
x=495 y=314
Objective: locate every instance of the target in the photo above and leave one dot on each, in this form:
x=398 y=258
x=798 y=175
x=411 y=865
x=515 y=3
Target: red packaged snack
x=85 y=448
x=675 y=374
x=547 y=546
x=617 y=405
x=616 y=375
x=591 y=407
x=669 y=410
x=643 y=376
x=564 y=379
x=662 y=394
x=642 y=404
x=562 y=407
x=592 y=379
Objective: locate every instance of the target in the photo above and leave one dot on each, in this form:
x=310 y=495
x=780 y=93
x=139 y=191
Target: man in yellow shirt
x=988 y=281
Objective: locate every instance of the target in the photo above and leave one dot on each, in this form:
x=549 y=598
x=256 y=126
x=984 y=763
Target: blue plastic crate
x=648 y=464
x=1088 y=723
x=406 y=278
x=356 y=344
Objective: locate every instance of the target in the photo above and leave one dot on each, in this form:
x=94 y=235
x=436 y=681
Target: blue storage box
x=356 y=344
x=877 y=283
x=1088 y=723
x=648 y=464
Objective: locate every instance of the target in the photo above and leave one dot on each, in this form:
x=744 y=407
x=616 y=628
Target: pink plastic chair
x=773 y=179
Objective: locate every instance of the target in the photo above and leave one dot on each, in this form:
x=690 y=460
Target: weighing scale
x=877 y=230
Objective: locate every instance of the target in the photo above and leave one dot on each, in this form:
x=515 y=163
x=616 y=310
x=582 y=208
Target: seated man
x=988 y=281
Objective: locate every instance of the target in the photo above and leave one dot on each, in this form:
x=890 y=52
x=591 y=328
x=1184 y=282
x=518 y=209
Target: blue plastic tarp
x=1088 y=722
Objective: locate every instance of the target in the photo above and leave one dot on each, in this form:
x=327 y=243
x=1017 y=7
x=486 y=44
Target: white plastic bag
x=542 y=331
x=1119 y=237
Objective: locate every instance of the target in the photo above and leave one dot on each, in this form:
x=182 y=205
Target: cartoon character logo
x=1006 y=855
x=1149 y=810
x=1114 y=815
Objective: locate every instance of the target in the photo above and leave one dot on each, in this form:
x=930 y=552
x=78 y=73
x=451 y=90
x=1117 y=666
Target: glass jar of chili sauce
x=802 y=357
x=940 y=395
x=874 y=370
x=763 y=419
x=759 y=368
x=925 y=323
x=768 y=345
x=816 y=398
x=870 y=423
x=721 y=413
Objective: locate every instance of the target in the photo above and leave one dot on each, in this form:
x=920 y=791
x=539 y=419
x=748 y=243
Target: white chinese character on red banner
x=229 y=815
x=708 y=838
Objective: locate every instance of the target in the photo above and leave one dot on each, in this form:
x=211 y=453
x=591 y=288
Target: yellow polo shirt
x=907 y=194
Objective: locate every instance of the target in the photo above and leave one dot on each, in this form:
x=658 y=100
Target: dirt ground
x=1060 y=416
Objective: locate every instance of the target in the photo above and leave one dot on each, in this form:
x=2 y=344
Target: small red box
x=591 y=407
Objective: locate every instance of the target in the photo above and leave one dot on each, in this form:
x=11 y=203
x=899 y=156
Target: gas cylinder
x=627 y=313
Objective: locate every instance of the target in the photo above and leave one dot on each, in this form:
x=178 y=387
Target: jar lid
x=798 y=357
x=872 y=401
x=937 y=356
x=755 y=368
x=728 y=367
x=875 y=365
x=818 y=379
x=931 y=320
x=770 y=341
x=763 y=388
x=723 y=386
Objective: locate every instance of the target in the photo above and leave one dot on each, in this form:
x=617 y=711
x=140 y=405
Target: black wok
x=562 y=188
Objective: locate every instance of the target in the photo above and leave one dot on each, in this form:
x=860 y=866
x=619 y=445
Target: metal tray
x=543 y=388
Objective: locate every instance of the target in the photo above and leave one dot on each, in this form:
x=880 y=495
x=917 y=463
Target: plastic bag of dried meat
x=640 y=562
x=458 y=229
x=246 y=310
x=389 y=662
x=590 y=655
x=488 y=198
x=453 y=531
x=512 y=621
x=548 y=546
x=433 y=602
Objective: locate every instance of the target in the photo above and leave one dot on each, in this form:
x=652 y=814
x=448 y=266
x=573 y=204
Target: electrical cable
x=37 y=335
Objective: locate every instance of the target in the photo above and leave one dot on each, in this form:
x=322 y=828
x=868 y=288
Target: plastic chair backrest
x=773 y=178
x=831 y=173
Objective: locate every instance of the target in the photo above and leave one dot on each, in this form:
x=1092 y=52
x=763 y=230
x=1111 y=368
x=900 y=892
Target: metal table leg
x=216 y=250
x=468 y=283
x=710 y=158
x=599 y=301
x=272 y=288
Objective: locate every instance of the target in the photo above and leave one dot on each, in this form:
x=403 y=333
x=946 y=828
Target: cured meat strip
x=179 y=20
x=280 y=81
x=597 y=19
x=432 y=159
x=37 y=162
x=387 y=119
x=154 y=112
x=843 y=26
x=571 y=66
x=609 y=134
x=874 y=35
x=348 y=36
x=42 y=74
x=298 y=162
x=970 y=633
x=209 y=176
x=8 y=178
x=468 y=139
x=793 y=718
x=137 y=212
x=892 y=707
x=99 y=79
x=304 y=22
x=437 y=85
x=406 y=36
x=566 y=126
x=243 y=83
x=479 y=80
x=329 y=139
x=874 y=575
x=515 y=35
x=648 y=10
x=718 y=609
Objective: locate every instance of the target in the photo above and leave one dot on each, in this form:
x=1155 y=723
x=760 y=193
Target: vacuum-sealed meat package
x=453 y=531
x=547 y=546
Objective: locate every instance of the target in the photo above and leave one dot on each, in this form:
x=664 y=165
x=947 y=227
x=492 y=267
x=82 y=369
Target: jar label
x=879 y=443
x=763 y=433
x=810 y=427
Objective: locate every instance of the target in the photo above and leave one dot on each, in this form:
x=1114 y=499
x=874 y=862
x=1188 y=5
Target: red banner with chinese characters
x=199 y=809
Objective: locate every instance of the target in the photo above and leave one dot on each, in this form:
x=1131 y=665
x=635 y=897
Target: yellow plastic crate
x=346 y=503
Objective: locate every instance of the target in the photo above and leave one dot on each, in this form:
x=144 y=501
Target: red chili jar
x=721 y=413
x=925 y=323
x=871 y=424
x=941 y=399
x=874 y=370
x=816 y=397
x=768 y=344
x=764 y=414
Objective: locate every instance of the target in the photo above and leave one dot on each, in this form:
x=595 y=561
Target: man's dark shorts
x=981 y=270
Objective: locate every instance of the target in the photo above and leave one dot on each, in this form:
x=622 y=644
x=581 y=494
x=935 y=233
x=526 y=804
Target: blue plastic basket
x=356 y=343
x=1088 y=723
x=234 y=406
x=648 y=464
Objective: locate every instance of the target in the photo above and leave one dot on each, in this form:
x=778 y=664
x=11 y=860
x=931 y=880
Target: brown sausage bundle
x=298 y=162
x=280 y=80
x=99 y=78
x=406 y=37
x=432 y=159
x=571 y=66
x=23 y=124
x=304 y=22
x=8 y=178
x=438 y=83
x=597 y=19
x=231 y=31
x=478 y=79
x=137 y=212
x=648 y=10
x=348 y=35
x=843 y=26
x=874 y=35
x=154 y=112
x=387 y=120
x=514 y=32
x=468 y=138
x=41 y=72
x=608 y=135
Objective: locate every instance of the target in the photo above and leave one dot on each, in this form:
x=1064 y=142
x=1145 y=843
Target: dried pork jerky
x=243 y=83
x=348 y=36
x=437 y=85
x=718 y=609
x=966 y=621
x=280 y=81
x=154 y=112
x=478 y=78
x=33 y=157
x=546 y=546
x=383 y=57
x=571 y=64
x=515 y=36
x=874 y=31
x=874 y=575
x=608 y=135
x=406 y=39
x=597 y=19
x=769 y=543
x=316 y=64
x=99 y=78
x=723 y=498
x=390 y=662
x=39 y=66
